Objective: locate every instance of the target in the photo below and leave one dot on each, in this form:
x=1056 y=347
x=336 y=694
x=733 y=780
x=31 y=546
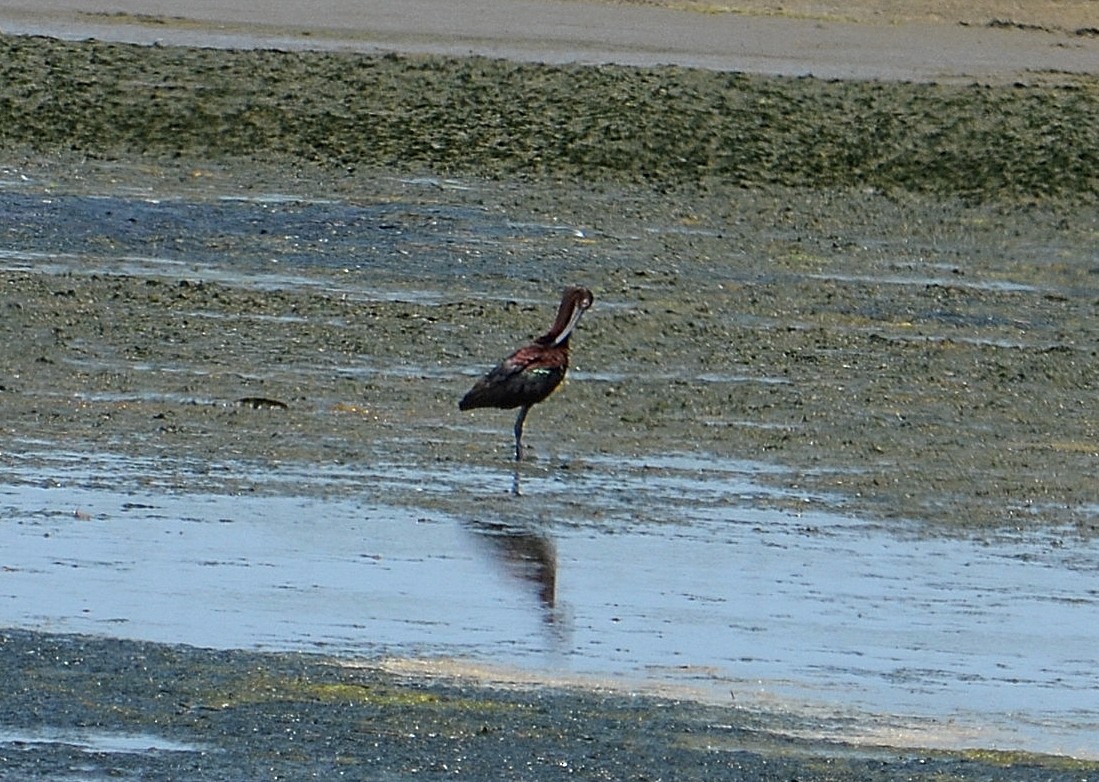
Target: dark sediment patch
x=199 y=714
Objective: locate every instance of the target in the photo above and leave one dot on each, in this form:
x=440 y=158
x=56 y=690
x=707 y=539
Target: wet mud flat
x=105 y=708
x=906 y=359
x=905 y=337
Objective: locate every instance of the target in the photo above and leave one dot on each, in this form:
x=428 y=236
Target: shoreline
x=197 y=714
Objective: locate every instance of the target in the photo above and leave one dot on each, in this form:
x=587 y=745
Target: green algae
x=269 y=688
x=1013 y=759
x=664 y=127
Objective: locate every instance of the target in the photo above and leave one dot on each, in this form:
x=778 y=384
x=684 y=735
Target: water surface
x=883 y=636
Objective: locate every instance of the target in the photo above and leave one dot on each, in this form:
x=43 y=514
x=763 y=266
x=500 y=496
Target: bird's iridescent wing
x=524 y=378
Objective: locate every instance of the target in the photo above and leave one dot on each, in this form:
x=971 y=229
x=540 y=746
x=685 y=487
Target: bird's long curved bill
x=574 y=318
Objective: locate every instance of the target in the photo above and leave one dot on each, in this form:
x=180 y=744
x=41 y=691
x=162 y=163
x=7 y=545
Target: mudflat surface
x=955 y=391
x=899 y=304
x=224 y=266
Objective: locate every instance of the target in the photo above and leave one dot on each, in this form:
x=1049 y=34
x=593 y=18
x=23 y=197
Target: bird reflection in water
x=527 y=556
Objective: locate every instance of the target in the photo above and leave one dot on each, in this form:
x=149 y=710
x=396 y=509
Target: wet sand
x=961 y=42
x=909 y=335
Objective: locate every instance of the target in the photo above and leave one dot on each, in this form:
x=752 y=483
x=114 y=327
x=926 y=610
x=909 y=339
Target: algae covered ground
x=663 y=127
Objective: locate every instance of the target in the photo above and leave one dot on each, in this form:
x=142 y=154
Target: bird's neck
x=567 y=317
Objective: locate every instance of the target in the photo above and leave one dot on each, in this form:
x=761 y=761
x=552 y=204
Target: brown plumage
x=531 y=373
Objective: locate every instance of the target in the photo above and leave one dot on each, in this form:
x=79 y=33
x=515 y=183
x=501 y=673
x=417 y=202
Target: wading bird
x=531 y=373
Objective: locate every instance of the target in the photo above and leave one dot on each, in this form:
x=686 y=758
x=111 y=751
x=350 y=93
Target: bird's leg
x=519 y=432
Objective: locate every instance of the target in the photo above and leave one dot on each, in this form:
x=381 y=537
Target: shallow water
x=880 y=636
x=92 y=741
x=679 y=570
